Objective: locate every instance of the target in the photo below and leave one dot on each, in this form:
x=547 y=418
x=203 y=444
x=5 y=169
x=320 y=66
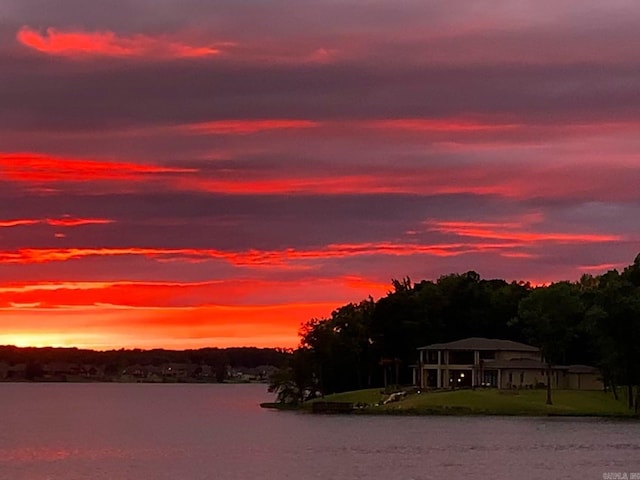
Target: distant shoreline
x=207 y=365
x=145 y=382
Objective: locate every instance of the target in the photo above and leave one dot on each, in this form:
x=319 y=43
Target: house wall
x=434 y=375
x=517 y=378
x=560 y=379
x=522 y=378
x=584 y=381
x=506 y=356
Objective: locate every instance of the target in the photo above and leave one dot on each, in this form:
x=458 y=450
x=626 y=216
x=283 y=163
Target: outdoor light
x=462 y=375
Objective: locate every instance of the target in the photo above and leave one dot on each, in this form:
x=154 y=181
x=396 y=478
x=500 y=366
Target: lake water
x=185 y=432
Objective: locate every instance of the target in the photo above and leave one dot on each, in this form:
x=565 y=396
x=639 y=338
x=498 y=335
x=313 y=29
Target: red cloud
x=17 y=223
x=38 y=168
x=293 y=258
x=187 y=294
x=253 y=258
x=487 y=177
x=106 y=43
x=65 y=221
x=507 y=232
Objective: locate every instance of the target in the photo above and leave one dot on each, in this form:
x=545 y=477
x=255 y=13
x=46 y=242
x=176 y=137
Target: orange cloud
x=172 y=294
x=287 y=258
x=107 y=315
x=244 y=127
x=109 y=326
x=108 y=44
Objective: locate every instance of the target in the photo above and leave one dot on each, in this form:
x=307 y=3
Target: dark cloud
x=235 y=222
x=419 y=59
x=45 y=96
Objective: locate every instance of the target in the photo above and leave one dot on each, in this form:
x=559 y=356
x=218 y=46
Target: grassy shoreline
x=566 y=403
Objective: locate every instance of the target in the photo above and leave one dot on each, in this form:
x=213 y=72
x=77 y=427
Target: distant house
x=178 y=371
x=60 y=369
x=487 y=362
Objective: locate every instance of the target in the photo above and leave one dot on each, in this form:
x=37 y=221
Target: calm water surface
x=122 y=431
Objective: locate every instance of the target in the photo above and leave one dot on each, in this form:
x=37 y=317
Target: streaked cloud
x=65 y=221
x=68 y=221
x=108 y=44
x=39 y=169
x=506 y=232
x=243 y=127
x=490 y=238
x=241 y=291
x=17 y=223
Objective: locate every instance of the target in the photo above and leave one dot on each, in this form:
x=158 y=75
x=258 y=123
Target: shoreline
x=491 y=402
x=451 y=412
x=133 y=382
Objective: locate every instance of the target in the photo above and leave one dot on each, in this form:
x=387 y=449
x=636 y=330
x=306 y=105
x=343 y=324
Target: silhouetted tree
x=615 y=319
x=296 y=382
x=33 y=371
x=550 y=316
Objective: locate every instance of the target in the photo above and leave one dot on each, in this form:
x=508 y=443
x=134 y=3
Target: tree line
x=114 y=361
x=594 y=321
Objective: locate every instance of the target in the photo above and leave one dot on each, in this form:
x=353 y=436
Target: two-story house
x=487 y=362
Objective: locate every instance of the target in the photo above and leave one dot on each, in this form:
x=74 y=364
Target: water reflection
x=107 y=431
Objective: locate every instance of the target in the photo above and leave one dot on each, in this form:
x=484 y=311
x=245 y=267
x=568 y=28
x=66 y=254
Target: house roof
x=479 y=343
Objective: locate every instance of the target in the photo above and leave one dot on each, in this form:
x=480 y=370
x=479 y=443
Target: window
x=432 y=356
x=461 y=358
x=487 y=355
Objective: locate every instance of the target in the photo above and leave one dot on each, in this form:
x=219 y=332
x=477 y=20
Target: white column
x=475 y=370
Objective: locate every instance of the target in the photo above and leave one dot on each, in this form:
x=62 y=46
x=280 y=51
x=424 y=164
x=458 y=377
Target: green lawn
x=491 y=402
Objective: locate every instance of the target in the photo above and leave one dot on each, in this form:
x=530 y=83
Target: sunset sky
x=196 y=173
